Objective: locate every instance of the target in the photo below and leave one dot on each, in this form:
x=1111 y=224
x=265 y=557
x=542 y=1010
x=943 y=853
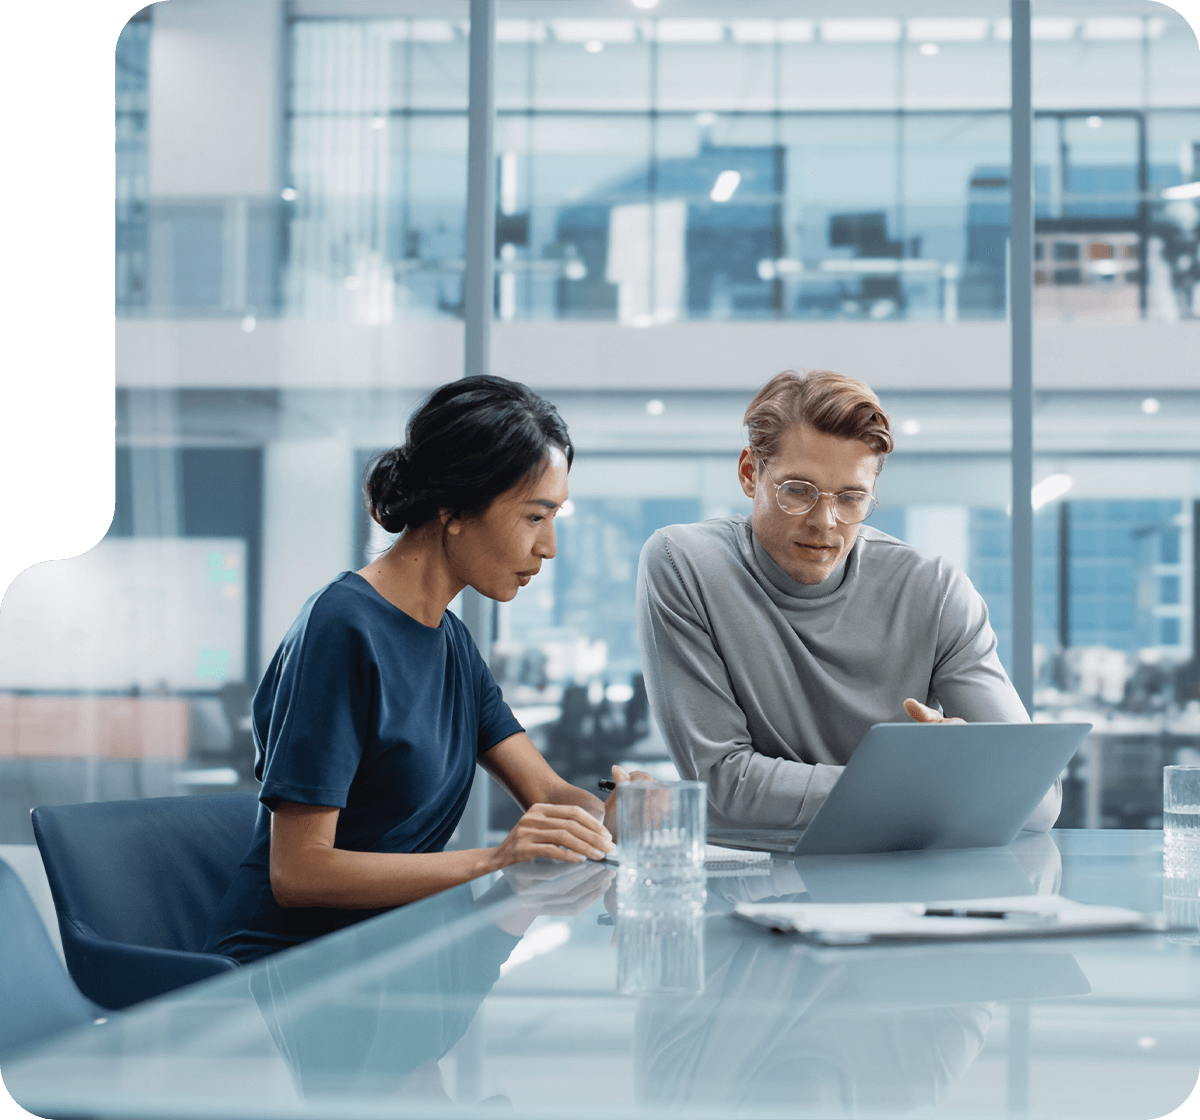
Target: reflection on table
x=505 y=994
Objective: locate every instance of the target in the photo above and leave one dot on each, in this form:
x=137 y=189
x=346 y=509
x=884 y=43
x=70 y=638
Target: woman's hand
x=562 y=832
x=922 y=713
x=610 y=806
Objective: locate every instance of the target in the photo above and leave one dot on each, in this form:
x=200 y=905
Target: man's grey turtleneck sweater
x=763 y=686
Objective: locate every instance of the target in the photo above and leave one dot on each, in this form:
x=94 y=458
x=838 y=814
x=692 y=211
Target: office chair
x=135 y=885
x=39 y=998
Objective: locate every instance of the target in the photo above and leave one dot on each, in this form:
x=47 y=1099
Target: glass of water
x=661 y=837
x=1181 y=821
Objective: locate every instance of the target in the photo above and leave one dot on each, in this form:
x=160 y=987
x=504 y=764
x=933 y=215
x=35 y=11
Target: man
x=771 y=644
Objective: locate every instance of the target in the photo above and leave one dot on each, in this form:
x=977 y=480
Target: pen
x=607 y=784
x=1000 y=915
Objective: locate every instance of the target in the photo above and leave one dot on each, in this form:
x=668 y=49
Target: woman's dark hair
x=466 y=444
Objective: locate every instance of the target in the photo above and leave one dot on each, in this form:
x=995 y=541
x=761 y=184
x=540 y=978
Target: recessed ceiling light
x=1151 y=405
x=1095 y=122
x=911 y=427
x=928 y=49
x=288 y=194
x=655 y=407
x=249 y=323
x=593 y=46
x=378 y=122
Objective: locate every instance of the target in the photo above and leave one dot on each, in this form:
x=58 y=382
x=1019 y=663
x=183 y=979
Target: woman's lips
x=523 y=578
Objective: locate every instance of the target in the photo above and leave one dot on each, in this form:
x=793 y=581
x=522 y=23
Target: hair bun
x=389 y=490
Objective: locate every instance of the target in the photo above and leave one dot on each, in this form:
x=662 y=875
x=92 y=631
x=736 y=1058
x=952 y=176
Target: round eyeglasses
x=795 y=496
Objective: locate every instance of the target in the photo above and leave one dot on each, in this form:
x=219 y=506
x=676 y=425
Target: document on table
x=863 y=923
x=717 y=858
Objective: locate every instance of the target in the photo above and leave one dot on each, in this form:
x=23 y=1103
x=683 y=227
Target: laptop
x=911 y=785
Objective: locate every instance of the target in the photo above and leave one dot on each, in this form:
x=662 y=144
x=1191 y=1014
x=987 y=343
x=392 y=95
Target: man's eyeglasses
x=795 y=496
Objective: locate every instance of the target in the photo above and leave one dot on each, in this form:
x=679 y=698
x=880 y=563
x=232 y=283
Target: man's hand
x=922 y=713
x=610 y=806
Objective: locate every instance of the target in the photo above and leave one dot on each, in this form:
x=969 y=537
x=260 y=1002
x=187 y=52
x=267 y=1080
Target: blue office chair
x=136 y=884
x=38 y=997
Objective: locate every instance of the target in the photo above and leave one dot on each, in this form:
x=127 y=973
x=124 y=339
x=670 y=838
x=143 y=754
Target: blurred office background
x=691 y=196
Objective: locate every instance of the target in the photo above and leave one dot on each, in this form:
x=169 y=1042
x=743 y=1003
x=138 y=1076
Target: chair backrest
x=38 y=997
x=149 y=872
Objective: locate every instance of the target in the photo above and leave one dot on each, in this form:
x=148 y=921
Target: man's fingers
x=921 y=712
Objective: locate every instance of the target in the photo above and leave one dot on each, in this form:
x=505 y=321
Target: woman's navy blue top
x=366 y=710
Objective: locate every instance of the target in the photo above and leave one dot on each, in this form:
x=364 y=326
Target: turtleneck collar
x=794 y=589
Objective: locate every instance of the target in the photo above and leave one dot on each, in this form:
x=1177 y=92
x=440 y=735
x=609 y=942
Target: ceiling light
x=727 y=182
x=575 y=269
x=520 y=31
x=1050 y=488
x=1182 y=192
x=1151 y=405
x=593 y=46
x=948 y=30
x=584 y=30
x=689 y=31
x=766 y=269
x=860 y=30
x=655 y=407
x=1095 y=122
x=288 y=194
x=928 y=49
x=1052 y=30
x=432 y=31
x=911 y=427
x=378 y=122
x=1110 y=27
x=645 y=5
x=754 y=31
x=249 y=323
x=706 y=120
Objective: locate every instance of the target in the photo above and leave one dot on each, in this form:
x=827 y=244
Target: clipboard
x=1018 y=916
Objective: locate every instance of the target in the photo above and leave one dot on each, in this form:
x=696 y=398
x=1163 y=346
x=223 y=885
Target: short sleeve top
x=366 y=710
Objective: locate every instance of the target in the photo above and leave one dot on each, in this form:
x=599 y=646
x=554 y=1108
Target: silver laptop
x=913 y=785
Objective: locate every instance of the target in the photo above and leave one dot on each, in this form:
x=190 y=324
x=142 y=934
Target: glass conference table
x=500 y=998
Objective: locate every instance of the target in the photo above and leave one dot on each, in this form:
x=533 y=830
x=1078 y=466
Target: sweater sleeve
x=698 y=713
x=969 y=681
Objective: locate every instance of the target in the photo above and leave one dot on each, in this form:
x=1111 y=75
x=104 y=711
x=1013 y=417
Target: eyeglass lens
x=849 y=507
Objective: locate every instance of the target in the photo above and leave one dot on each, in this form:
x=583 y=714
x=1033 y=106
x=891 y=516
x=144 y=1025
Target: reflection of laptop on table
x=913 y=785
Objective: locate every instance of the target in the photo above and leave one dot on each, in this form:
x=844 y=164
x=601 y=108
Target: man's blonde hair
x=829 y=402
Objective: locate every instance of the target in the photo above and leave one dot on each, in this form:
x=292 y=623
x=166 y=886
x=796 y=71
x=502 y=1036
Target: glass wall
x=686 y=204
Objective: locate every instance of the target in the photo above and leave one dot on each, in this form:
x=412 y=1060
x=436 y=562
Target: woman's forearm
x=348 y=880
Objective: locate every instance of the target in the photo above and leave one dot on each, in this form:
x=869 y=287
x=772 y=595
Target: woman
x=377 y=705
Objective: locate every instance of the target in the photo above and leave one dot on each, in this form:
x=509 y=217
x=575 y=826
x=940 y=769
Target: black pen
x=999 y=915
x=607 y=784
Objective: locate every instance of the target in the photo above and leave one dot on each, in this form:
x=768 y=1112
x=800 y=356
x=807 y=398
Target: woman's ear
x=450 y=523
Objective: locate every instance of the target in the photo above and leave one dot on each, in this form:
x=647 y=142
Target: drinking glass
x=661 y=837
x=1181 y=821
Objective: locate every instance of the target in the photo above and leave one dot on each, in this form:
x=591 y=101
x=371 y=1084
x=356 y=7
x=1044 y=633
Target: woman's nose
x=546 y=545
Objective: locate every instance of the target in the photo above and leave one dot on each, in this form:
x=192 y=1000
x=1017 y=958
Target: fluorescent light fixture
x=655 y=407
x=1002 y=30
x=1113 y=27
x=431 y=31
x=593 y=46
x=754 y=30
x=520 y=31
x=1182 y=192
x=911 y=427
x=1151 y=406
x=1049 y=489
x=727 y=182
x=929 y=49
x=689 y=31
x=1052 y=30
x=1155 y=26
x=947 y=30
x=860 y=30
x=796 y=30
x=786 y=265
x=583 y=30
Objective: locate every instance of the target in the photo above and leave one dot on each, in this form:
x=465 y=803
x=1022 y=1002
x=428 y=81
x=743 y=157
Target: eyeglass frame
x=820 y=494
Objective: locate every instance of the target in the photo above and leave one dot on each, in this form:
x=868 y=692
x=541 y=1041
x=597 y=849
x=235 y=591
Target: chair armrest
x=115 y=974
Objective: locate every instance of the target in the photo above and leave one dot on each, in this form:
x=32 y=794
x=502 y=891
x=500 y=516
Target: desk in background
x=435 y=1009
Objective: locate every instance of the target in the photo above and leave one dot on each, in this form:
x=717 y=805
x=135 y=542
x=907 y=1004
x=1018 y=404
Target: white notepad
x=718 y=858
x=862 y=923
